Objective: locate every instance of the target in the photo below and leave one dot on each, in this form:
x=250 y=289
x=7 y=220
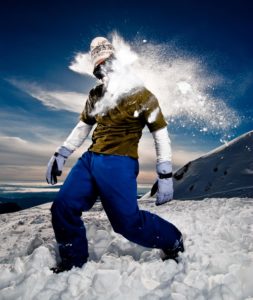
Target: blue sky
x=40 y=95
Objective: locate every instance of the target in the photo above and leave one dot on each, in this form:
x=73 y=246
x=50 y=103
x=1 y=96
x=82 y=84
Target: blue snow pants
x=113 y=178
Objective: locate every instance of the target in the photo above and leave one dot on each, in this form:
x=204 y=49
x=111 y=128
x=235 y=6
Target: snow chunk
x=184 y=87
x=153 y=115
x=106 y=281
x=136 y=114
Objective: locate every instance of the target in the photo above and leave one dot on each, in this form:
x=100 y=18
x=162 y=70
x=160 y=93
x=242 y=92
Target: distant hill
x=226 y=172
x=9 y=207
x=26 y=200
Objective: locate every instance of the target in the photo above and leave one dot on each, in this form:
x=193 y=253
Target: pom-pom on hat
x=100 y=50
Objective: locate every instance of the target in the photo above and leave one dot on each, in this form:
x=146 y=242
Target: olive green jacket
x=119 y=129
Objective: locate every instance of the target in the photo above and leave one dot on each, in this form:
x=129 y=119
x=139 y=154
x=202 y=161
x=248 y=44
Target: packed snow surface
x=217 y=263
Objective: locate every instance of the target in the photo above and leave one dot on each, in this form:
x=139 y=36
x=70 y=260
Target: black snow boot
x=59 y=269
x=63 y=266
x=173 y=253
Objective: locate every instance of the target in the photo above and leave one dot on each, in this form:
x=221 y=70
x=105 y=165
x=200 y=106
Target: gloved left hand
x=56 y=163
x=165 y=183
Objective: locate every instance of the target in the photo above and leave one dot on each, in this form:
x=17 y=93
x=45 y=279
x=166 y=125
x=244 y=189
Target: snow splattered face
x=119 y=78
x=103 y=69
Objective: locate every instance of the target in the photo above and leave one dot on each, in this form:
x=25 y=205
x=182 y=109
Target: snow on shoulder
x=217 y=263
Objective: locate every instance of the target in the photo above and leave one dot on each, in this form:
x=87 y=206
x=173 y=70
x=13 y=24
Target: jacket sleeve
x=86 y=115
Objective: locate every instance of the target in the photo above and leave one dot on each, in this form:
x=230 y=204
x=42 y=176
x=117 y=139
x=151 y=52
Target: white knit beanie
x=100 y=49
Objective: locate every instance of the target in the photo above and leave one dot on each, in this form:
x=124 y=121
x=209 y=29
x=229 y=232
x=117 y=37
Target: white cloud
x=18 y=150
x=15 y=145
x=182 y=156
x=8 y=140
x=25 y=160
x=60 y=100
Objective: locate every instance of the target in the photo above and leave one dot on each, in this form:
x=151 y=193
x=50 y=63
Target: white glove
x=73 y=141
x=56 y=163
x=165 y=183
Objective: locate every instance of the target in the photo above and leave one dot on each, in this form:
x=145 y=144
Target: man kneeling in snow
x=110 y=167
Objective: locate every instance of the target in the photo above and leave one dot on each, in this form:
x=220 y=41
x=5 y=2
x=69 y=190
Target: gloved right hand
x=56 y=163
x=165 y=183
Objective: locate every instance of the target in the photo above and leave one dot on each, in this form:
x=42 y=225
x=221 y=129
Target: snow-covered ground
x=217 y=263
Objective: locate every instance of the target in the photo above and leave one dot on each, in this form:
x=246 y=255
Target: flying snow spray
x=181 y=84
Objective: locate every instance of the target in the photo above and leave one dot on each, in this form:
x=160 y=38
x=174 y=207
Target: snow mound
x=225 y=172
x=217 y=263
